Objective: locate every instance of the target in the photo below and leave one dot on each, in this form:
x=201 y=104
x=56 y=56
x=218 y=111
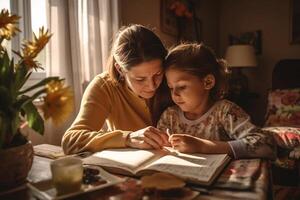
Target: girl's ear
x=209 y=81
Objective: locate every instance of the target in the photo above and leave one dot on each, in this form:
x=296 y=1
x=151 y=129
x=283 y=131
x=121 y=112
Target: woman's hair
x=199 y=60
x=134 y=45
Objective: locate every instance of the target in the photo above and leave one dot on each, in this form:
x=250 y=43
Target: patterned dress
x=224 y=121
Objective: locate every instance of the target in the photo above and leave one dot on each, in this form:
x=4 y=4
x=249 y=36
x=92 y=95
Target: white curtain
x=82 y=35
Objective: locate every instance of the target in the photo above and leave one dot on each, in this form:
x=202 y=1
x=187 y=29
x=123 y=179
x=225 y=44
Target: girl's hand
x=185 y=143
x=190 y=144
x=147 y=138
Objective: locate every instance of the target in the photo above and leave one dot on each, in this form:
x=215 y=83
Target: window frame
x=23 y=8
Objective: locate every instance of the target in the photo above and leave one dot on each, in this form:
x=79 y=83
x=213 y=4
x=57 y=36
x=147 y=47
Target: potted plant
x=17 y=106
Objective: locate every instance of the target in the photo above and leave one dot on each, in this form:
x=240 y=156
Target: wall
x=272 y=18
x=208 y=13
x=146 y=12
x=223 y=17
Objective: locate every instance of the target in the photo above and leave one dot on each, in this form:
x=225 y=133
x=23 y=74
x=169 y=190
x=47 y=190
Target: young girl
x=200 y=121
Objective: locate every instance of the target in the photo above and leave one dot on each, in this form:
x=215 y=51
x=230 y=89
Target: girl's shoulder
x=172 y=109
x=225 y=105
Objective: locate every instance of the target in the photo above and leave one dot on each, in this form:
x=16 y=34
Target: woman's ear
x=118 y=68
x=209 y=81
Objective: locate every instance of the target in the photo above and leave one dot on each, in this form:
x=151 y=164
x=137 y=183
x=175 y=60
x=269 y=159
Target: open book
x=195 y=168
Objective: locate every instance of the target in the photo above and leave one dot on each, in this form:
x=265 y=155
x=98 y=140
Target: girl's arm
x=191 y=144
x=248 y=140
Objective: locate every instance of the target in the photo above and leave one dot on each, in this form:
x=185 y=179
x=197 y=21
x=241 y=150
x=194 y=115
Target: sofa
x=283 y=122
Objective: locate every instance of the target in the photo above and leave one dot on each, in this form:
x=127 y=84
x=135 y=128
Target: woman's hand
x=190 y=144
x=147 y=138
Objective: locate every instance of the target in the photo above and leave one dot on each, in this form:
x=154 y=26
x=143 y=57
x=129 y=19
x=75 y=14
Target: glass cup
x=67 y=174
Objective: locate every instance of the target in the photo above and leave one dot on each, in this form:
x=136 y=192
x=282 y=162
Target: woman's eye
x=159 y=73
x=140 y=80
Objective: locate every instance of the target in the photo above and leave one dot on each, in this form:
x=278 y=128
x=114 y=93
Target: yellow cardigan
x=103 y=101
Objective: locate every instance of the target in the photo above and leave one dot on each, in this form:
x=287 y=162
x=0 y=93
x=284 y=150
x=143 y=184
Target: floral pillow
x=283 y=108
x=285 y=137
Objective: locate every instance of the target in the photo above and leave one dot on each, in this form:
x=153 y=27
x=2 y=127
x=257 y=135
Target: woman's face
x=187 y=90
x=143 y=79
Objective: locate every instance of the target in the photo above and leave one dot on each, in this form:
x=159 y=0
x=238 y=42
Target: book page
x=127 y=159
x=197 y=167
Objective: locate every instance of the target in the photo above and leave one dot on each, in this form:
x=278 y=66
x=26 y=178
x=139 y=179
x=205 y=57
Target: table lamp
x=238 y=57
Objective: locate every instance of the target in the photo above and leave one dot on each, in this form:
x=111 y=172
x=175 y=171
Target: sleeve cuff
x=238 y=148
x=125 y=135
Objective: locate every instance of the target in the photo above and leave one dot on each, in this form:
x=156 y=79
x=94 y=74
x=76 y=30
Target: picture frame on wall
x=168 y=21
x=192 y=31
x=294 y=21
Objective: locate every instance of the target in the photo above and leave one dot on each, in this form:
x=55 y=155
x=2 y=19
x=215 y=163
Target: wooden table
x=131 y=188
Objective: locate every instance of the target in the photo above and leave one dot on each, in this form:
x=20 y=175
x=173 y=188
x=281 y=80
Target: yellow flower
x=31 y=49
x=59 y=102
x=8 y=26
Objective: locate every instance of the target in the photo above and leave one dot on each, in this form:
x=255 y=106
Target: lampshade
x=241 y=56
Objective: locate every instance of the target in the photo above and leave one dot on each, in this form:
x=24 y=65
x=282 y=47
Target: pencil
x=168 y=132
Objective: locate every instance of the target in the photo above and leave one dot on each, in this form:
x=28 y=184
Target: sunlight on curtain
x=78 y=50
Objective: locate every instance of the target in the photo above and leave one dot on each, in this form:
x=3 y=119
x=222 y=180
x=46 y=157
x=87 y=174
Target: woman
x=123 y=97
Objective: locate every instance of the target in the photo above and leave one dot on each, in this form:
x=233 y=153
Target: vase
x=15 y=164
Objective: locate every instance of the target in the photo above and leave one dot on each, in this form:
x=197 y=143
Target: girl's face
x=143 y=79
x=187 y=91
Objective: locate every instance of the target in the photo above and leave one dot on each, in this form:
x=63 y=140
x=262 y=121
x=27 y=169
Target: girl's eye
x=181 y=87
x=140 y=80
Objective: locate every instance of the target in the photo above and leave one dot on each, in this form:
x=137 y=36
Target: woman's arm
x=100 y=101
x=85 y=133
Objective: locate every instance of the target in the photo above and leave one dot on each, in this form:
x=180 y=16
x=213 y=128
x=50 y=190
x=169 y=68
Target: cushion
x=285 y=137
x=288 y=141
x=283 y=108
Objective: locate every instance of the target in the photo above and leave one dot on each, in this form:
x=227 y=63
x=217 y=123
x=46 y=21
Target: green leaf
x=15 y=123
x=34 y=119
x=6 y=70
x=24 y=99
x=21 y=101
x=21 y=76
x=41 y=83
x=5 y=100
x=2 y=130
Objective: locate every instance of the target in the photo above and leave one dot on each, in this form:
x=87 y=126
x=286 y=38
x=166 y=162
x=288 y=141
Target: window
x=38 y=19
x=33 y=16
x=4 y=4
